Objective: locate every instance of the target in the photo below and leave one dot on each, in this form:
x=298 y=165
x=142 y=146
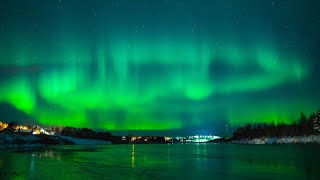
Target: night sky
x=165 y=67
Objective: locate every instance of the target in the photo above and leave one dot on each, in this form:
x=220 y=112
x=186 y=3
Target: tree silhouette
x=304 y=126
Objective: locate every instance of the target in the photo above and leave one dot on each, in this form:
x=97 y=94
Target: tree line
x=87 y=133
x=304 y=126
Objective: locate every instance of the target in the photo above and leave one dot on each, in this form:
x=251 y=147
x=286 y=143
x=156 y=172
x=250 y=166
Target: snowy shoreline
x=10 y=141
x=312 y=139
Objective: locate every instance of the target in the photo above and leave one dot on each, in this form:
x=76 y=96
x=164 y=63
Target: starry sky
x=160 y=67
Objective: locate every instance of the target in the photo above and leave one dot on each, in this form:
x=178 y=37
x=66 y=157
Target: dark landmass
x=304 y=130
x=107 y=136
x=15 y=140
x=303 y=127
x=85 y=133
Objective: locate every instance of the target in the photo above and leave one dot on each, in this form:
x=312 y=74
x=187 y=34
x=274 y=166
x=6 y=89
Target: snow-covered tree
x=316 y=122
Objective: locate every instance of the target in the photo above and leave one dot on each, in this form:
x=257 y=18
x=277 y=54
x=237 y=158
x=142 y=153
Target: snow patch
x=313 y=139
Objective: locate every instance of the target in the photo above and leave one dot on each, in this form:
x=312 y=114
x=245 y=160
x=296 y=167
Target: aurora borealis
x=178 y=66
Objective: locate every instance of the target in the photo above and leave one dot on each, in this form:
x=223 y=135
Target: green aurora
x=180 y=66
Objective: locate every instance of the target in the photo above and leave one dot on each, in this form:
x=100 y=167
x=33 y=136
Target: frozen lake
x=174 y=161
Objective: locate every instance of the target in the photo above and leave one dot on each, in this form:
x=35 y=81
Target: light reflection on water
x=132 y=156
x=173 y=161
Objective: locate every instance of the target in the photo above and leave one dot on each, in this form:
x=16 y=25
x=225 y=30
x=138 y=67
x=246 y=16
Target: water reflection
x=132 y=156
x=47 y=153
x=180 y=161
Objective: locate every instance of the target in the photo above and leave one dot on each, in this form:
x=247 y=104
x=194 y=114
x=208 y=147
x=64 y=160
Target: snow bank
x=8 y=141
x=79 y=141
x=313 y=139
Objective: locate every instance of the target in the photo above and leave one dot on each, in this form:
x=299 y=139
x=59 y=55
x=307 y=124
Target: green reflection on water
x=179 y=161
